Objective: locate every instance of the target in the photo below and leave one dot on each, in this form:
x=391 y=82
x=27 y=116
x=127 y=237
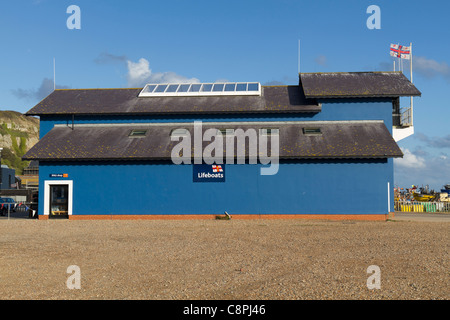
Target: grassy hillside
x=18 y=133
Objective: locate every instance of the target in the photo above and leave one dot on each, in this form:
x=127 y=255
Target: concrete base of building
x=338 y=217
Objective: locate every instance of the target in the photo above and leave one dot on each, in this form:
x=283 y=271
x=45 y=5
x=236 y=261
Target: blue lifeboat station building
x=324 y=149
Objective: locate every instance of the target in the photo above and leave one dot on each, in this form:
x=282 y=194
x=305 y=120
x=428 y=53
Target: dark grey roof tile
x=356 y=84
x=352 y=139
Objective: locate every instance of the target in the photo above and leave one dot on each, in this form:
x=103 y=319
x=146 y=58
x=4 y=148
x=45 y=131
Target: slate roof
x=357 y=85
x=126 y=101
x=339 y=139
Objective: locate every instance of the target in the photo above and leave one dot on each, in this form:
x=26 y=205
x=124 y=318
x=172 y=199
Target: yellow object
x=406 y=207
x=422 y=197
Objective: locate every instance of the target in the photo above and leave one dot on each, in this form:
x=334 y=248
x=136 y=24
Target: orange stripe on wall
x=361 y=217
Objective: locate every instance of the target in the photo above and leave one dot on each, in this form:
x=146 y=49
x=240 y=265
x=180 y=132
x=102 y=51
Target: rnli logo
x=208 y=173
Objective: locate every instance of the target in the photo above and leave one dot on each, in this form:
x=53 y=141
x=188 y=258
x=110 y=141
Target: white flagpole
x=410 y=68
x=299 y=56
x=410 y=61
x=54 y=75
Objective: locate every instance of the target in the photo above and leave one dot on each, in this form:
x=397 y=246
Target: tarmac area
x=406 y=257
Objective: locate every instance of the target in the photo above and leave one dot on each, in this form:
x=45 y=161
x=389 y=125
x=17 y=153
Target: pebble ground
x=224 y=259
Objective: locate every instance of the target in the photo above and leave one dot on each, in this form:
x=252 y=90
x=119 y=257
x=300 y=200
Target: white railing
x=405 y=116
x=416 y=206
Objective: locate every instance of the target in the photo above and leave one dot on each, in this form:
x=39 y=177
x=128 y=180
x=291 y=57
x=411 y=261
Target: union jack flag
x=217 y=168
x=399 y=51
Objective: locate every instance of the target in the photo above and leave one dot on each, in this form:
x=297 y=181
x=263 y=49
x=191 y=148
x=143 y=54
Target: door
x=59 y=200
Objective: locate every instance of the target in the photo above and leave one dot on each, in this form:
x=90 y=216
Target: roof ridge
x=343 y=72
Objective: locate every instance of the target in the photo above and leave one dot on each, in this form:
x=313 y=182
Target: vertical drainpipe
x=389 y=197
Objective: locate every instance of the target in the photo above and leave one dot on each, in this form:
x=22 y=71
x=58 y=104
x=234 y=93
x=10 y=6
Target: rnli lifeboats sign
x=209 y=173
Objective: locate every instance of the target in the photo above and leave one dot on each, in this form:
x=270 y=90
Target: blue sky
x=127 y=43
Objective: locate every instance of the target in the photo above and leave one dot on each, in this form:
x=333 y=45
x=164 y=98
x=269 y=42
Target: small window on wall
x=312 y=131
x=137 y=133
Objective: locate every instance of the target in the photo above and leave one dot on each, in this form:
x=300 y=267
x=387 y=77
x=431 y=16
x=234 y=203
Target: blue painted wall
x=302 y=187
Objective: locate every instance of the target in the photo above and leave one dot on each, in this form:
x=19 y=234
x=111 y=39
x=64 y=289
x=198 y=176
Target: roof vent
x=312 y=131
x=137 y=133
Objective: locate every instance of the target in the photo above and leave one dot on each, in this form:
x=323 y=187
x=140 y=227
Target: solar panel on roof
x=201 y=89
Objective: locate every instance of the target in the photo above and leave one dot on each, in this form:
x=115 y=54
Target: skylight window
x=207 y=87
x=312 y=131
x=195 y=88
x=218 y=87
x=241 y=87
x=137 y=133
x=183 y=88
x=252 y=86
x=161 y=88
x=230 y=87
x=172 y=88
x=201 y=89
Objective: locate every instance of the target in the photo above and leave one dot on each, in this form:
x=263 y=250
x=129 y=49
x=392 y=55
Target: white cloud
x=434 y=142
x=409 y=160
x=321 y=60
x=139 y=74
x=40 y=93
x=430 y=68
x=423 y=66
x=432 y=170
x=108 y=58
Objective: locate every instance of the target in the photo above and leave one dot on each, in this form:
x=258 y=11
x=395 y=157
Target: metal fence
x=415 y=206
x=23 y=207
x=10 y=209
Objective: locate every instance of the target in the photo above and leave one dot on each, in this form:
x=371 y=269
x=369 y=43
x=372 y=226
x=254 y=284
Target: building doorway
x=58 y=199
